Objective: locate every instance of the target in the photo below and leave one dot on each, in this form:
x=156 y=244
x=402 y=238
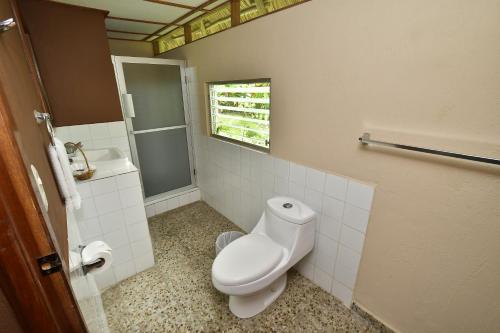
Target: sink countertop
x=110 y=162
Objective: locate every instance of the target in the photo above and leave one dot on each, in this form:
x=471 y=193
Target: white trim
x=158 y=129
x=118 y=62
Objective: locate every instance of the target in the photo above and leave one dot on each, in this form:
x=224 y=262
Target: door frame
x=118 y=62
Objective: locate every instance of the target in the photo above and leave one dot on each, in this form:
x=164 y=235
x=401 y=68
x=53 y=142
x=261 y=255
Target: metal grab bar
x=365 y=140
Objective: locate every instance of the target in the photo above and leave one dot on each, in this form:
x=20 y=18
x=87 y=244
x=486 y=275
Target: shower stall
x=155 y=107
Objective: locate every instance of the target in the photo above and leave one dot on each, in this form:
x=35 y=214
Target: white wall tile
x=87 y=210
x=267 y=163
x=355 y=217
x=122 y=143
x=122 y=254
x=101 y=143
x=127 y=180
x=342 y=292
x=352 y=238
x=144 y=262
x=124 y=270
x=315 y=179
x=173 y=203
x=347 y=266
x=195 y=195
x=333 y=207
x=134 y=214
x=327 y=253
x=116 y=238
x=359 y=194
x=137 y=231
x=306 y=269
x=297 y=191
x=103 y=186
x=90 y=228
x=150 y=210
x=99 y=131
x=161 y=207
x=298 y=174
x=184 y=199
x=141 y=247
x=314 y=200
x=281 y=168
x=330 y=227
x=80 y=133
x=117 y=129
x=112 y=221
x=84 y=190
x=107 y=203
x=281 y=186
x=336 y=186
x=131 y=197
x=105 y=279
x=323 y=279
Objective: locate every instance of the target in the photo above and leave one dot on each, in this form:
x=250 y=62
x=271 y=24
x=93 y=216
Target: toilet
x=252 y=269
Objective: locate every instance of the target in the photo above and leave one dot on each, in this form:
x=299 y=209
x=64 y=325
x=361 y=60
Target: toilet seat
x=246 y=259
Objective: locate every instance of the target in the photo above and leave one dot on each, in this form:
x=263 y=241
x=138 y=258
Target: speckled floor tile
x=177 y=294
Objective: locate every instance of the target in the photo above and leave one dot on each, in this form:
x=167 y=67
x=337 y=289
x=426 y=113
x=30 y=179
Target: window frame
x=230 y=140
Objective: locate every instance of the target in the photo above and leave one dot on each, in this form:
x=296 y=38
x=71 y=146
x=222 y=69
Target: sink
x=102 y=155
x=106 y=161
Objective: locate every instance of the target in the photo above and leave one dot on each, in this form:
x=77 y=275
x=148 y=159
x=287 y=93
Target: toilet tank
x=288 y=221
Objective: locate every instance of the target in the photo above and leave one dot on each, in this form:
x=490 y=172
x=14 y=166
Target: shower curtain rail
x=365 y=140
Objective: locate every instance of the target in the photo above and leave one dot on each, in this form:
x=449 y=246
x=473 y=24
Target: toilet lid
x=246 y=259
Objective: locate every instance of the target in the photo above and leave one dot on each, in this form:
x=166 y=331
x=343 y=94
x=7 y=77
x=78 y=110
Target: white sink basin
x=107 y=162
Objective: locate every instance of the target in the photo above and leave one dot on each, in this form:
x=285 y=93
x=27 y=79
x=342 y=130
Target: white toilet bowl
x=252 y=269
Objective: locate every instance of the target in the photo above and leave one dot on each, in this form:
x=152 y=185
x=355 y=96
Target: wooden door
x=29 y=231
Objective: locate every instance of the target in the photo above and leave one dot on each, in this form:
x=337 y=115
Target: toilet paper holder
x=86 y=268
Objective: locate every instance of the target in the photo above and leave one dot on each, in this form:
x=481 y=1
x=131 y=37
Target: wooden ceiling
x=145 y=20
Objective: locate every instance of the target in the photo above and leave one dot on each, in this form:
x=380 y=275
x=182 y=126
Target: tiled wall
x=237 y=181
x=173 y=202
x=94 y=136
x=84 y=286
x=113 y=210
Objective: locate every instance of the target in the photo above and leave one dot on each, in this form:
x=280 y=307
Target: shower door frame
x=118 y=62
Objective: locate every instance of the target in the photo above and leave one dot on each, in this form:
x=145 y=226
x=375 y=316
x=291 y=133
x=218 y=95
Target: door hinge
x=194 y=172
x=50 y=263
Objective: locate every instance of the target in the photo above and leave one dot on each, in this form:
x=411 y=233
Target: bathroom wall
x=95 y=136
x=130 y=49
x=418 y=72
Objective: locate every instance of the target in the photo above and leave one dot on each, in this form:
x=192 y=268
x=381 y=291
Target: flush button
x=287 y=205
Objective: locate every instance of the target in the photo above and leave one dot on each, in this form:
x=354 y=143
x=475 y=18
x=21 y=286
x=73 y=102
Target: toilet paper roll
x=92 y=255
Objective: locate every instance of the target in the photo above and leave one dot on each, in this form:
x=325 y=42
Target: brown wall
x=73 y=57
x=421 y=72
x=129 y=48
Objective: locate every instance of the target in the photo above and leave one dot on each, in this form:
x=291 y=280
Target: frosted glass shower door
x=154 y=105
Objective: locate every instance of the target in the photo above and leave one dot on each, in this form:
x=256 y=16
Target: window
x=171 y=40
x=214 y=21
x=251 y=9
x=240 y=111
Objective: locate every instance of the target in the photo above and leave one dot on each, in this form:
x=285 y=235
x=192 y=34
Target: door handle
x=128 y=105
x=7 y=24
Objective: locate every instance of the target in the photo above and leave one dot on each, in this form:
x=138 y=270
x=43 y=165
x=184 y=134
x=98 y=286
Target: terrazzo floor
x=177 y=295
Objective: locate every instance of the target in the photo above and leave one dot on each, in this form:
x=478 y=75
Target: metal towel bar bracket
x=365 y=140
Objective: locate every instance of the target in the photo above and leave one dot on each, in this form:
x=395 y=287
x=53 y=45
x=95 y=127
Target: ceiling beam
x=128 y=39
x=174 y=4
x=196 y=9
x=128 y=32
x=139 y=21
